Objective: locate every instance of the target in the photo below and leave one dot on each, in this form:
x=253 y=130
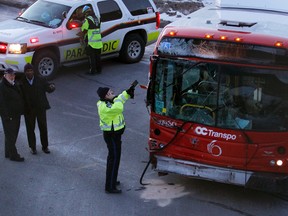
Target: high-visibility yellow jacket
x=92 y=26
x=111 y=114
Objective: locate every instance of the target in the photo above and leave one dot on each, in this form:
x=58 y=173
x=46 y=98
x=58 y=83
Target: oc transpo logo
x=209 y=132
x=214 y=149
x=201 y=131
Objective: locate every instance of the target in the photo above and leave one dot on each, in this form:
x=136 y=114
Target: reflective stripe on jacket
x=92 y=25
x=111 y=114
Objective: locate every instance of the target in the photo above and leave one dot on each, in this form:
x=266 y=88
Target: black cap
x=28 y=66
x=102 y=92
x=9 y=71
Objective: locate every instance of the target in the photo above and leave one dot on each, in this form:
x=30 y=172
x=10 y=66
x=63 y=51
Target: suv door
x=112 y=18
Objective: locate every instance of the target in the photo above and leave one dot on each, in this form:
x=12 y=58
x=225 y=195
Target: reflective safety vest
x=111 y=114
x=92 y=25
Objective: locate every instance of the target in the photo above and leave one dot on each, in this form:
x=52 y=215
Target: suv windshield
x=44 y=13
x=227 y=96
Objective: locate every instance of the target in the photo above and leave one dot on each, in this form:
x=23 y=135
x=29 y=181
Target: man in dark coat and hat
x=36 y=105
x=11 y=109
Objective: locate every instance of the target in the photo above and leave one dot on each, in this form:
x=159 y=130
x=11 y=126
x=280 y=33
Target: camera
x=134 y=84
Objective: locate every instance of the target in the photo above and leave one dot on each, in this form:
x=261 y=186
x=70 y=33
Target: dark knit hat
x=102 y=92
x=9 y=71
x=28 y=66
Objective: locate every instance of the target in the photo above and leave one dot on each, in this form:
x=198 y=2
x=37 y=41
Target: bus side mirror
x=153 y=65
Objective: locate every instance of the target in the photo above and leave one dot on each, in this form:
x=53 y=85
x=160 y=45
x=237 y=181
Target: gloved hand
x=52 y=87
x=130 y=91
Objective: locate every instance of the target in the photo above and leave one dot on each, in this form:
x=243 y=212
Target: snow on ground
x=178 y=14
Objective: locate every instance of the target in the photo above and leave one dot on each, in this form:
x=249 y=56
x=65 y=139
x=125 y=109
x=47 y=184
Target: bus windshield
x=221 y=95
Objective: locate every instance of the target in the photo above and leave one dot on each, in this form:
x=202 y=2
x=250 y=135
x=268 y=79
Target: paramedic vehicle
x=46 y=34
x=218 y=95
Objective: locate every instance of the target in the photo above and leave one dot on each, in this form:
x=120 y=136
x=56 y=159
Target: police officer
x=110 y=110
x=92 y=35
x=11 y=109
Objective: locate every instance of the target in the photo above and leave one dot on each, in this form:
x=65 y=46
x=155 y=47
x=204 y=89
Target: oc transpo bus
x=218 y=95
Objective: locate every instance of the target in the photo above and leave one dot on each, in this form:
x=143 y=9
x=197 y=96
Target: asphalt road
x=70 y=181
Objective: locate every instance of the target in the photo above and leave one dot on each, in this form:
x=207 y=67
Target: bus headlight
x=17 y=48
x=279 y=162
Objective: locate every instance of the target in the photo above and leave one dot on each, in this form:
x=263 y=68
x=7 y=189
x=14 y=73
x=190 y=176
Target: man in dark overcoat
x=11 y=109
x=36 y=104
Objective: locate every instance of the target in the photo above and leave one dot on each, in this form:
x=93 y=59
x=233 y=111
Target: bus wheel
x=133 y=49
x=46 y=64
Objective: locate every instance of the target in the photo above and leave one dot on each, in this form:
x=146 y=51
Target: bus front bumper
x=269 y=182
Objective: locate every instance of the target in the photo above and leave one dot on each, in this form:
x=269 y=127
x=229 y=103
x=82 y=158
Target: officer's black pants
x=94 y=59
x=113 y=141
x=11 y=129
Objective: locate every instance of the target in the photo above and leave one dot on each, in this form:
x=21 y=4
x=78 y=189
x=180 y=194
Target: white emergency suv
x=46 y=34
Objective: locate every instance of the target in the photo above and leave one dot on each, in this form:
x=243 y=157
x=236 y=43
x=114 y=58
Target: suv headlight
x=17 y=48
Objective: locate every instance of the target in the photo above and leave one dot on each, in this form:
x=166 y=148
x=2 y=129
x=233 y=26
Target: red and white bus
x=218 y=94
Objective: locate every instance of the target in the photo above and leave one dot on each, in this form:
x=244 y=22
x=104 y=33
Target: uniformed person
x=92 y=35
x=110 y=110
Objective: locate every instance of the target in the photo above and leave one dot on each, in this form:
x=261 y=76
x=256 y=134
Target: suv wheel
x=46 y=64
x=133 y=49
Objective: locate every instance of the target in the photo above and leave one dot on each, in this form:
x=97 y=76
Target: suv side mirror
x=64 y=14
x=22 y=11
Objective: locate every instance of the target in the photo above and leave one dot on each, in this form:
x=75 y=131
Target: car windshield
x=222 y=95
x=44 y=13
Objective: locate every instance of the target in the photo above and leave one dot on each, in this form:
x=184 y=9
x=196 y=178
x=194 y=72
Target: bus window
x=258 y=99
x=177 y=91
x=221 y=95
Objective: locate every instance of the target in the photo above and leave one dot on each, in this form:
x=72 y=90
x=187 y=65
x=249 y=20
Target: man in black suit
x=36 y=104
x=11 y=109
